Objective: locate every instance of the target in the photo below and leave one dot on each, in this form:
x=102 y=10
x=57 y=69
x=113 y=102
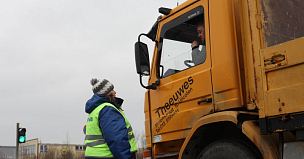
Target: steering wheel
x=187 y=63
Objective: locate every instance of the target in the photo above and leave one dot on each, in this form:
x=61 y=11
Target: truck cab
x=242 y=86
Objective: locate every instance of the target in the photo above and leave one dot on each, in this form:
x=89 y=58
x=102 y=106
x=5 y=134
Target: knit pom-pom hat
x=101 y=86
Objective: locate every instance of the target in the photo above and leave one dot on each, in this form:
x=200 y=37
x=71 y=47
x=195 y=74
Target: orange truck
x=243 y=99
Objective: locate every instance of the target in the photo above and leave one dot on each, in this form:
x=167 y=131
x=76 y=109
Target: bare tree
x=140 y=139
x=67 y=139
x=141 y=142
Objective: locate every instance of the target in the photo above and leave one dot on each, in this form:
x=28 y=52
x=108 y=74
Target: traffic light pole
x=17 y=142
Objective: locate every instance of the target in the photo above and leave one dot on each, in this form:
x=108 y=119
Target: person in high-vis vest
x=109 y=134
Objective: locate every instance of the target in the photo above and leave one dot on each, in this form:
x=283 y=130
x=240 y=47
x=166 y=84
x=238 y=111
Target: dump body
x=251 y=78
x=282 y=60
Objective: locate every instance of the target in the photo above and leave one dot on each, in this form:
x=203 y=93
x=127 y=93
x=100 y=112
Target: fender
x=266 y=144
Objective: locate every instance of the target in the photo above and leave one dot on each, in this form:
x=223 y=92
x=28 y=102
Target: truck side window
x=183 y=43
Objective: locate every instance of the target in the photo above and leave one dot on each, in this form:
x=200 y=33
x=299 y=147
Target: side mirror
x=142 y=59
x=143 y=63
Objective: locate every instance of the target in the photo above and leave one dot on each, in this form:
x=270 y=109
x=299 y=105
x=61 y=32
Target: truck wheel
x=229 y=149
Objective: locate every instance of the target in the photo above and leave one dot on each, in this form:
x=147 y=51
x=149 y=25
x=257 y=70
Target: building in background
x=7 y=152
x=32 y=149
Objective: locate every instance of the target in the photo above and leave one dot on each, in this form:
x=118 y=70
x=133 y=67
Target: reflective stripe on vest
x=94 y=140
x=95 y=143
x=100 y=137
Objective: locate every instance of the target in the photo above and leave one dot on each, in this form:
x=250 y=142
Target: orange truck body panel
x=252 y=69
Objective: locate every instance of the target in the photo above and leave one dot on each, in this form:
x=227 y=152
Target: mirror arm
x=141 y=35
x=153 y=86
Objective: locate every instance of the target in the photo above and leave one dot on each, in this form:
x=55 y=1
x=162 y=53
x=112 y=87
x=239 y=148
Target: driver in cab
x=199 y=56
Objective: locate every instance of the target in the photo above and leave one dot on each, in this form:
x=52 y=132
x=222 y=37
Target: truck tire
x=229 y=149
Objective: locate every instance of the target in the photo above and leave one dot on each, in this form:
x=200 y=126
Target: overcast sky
x=49 y=51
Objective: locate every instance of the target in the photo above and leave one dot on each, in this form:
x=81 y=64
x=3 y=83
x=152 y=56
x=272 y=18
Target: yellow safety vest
x=96 y=145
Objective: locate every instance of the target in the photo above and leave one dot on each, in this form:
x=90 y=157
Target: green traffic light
x=22 y=139
x=21 y=135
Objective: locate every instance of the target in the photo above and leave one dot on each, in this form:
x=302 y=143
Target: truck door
x=185 y=91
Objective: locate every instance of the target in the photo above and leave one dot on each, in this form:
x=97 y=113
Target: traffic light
x=21 y=135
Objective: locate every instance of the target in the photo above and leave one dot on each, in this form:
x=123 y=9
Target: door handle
x=208 y=100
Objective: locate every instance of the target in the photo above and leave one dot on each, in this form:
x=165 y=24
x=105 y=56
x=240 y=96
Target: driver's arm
x=198 y=56
x=194 y=44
